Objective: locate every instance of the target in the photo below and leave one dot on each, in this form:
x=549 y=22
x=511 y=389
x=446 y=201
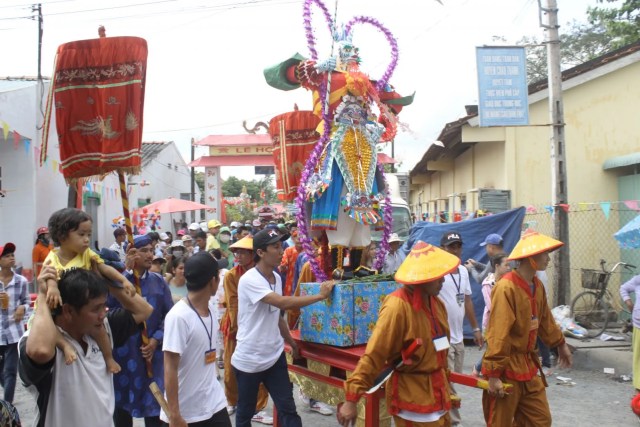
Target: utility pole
x=38 y=8
x=561 y=261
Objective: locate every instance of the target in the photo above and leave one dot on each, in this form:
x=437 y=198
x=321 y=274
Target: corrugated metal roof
x=150 y=151
x=622 y=161
x=8 y=85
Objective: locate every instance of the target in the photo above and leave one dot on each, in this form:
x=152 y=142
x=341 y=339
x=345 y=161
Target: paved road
x=597 y=400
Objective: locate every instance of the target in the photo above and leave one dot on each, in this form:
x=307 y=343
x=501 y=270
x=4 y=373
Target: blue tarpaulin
x=473 y=232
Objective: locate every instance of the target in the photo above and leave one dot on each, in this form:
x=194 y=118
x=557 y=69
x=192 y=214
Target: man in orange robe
x=519 y=314
x=243 y=249
x=417 y=394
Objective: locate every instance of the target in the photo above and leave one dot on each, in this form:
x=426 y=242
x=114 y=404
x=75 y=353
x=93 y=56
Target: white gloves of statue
x=326 y=65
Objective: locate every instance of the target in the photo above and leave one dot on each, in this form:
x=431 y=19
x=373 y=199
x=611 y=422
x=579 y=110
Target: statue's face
x=348 y=53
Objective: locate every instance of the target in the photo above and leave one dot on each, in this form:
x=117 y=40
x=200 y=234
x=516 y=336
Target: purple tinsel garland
x=314 y=158
x=380 y=84
x=383 y=248
x=308 y=29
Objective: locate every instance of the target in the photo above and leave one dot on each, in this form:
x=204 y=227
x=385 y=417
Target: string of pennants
x=606 y=207
x=10 y=135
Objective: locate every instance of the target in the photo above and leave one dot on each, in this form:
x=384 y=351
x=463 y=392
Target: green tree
x=621 y=23
x=232 y=187
x=607 y=28
x=199 y=178
x=579 y=43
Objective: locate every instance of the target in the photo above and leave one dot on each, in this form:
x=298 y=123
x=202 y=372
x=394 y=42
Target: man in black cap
x=259 y=355
x=190 y=336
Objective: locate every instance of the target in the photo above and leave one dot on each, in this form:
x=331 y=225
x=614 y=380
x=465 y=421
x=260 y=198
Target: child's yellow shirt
x=82 y=260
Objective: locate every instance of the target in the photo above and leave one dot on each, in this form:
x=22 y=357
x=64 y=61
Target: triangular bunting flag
x=549 y=209
x=27 y=145
x=5 y=130
x=36 y=152
x=631 y=204
x=16 y=140
x=54 y=165
x=606 y=208
x=564 y=206
x=582 y=206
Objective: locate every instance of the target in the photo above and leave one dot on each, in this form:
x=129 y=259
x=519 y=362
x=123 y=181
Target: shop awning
x=621 y=161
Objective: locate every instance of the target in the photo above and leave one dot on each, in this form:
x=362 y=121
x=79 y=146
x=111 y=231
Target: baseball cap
x=267 y=237
x=159 y=258
x=194 y=226
x=203 y=226
x=200 y=268
x=213 y=223
x=181 y=233
x=186 y=238
x=164 y=236
x=492 y=239
x=42 y=230
x=256 y=223
x=394 y=238
x=450 y=237
x=7 y=249
x=112 y=259
x=176 y=243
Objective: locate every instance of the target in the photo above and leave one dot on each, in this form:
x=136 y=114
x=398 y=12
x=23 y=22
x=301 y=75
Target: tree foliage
x=232 y=187
x=607 y=28
x=622 y=23
x=578 y=44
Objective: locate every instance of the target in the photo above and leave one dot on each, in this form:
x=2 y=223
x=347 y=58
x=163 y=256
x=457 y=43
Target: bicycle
x=590 y=308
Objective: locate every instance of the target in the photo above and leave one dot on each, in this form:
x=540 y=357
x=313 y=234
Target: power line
x=225 y=6
x=214 y=125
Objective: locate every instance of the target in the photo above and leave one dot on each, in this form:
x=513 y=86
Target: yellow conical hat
x=425 y=263
x=533 y=243
x=244 y=243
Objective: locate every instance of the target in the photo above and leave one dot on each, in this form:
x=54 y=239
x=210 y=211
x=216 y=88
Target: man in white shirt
x=395 y=256
x=79 y=394
x=259 y=355
x=456 y=295
x=119 y=245
x=193 y=393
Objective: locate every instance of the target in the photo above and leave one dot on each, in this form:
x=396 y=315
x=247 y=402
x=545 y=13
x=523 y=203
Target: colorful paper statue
x=342 y=181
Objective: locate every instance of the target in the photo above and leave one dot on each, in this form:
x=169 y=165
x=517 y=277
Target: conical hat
x=244 y=243
x=533 y=243
x=425 y=263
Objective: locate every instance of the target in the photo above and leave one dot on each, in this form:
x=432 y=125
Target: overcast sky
x=206 y=57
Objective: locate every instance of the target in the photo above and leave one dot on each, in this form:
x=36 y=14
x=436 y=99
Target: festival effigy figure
x=342 y=181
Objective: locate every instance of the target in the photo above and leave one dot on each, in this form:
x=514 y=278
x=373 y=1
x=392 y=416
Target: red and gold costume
x=289 y=260
x=518 y=316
